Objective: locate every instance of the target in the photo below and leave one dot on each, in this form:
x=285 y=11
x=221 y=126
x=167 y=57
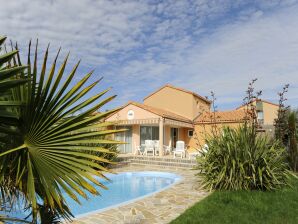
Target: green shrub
x=241 y=159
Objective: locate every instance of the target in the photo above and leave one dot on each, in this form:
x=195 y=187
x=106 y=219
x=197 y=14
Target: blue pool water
x=122 y=188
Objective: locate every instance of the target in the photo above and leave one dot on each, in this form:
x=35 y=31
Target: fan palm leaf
x=59 y=130
x=9 y=78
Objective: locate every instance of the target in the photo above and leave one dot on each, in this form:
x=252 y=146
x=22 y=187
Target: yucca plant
x=240 y=160
x=52 y=154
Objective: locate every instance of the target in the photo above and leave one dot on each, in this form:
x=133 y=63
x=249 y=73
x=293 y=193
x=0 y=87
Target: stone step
x=162 y=163
x=174 y=160
x=160 y=159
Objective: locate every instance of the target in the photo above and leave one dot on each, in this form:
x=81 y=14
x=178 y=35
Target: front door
x=174 y=136
x=124 y=137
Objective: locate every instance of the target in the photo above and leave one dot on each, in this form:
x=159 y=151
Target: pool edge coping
x=181 y=178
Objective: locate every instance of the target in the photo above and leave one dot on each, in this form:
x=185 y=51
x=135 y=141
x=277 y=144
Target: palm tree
x=54 y=150
x=9 y=78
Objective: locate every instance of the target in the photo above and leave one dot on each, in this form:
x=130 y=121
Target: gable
x=126 y=114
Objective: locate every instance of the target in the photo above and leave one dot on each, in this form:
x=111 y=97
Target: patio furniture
x=180 y=149
x=138 y=150
x=156 y=147
x=198 y=152
x=149 y=147
x=167 y=148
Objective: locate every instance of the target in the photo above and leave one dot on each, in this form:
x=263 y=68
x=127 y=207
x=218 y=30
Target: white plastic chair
x=138 y=150
x=156 y=147
x=180 y=149
x=149 y=147
x=168 y=148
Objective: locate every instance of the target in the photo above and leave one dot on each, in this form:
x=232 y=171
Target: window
x=260 y=116
x=149 y=133
x=190 y=133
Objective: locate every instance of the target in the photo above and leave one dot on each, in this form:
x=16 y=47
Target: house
x=210 y=121
x=170 y=114
x=166 y=115
x=267 y=112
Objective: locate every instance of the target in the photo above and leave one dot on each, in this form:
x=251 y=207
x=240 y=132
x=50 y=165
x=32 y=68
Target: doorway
x=174 y=136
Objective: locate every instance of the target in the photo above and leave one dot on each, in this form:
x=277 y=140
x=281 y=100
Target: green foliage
x=293 y=142
x=281 y=122
x=51 y=150
x=239 y=159
x=10 y=77
x=111 y=156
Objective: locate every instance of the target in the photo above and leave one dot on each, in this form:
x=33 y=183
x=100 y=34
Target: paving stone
x=159 y=208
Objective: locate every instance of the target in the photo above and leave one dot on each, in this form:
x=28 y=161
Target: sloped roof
x=222 y=116
x=160 y=112
x=157 y=111
x=265 y=101
x=180 y=89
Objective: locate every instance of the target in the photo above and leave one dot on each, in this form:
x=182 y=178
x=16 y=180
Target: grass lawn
x=245 y=207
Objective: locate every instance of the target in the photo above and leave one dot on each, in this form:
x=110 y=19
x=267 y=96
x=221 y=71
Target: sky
x=138 y=46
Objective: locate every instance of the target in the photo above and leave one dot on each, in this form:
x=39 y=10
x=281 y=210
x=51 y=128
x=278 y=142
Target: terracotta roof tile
x=222 y=116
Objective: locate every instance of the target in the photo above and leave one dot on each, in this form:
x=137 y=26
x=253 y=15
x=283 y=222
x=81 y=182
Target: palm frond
x=53 y=154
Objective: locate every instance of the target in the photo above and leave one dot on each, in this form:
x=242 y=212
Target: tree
x=293 y=149
x=52 y=149
x=9 y=78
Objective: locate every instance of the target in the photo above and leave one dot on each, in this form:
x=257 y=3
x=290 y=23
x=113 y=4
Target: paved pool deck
x=161 y=207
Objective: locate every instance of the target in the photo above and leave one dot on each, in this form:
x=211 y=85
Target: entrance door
x=124 y=137
x=174 y=136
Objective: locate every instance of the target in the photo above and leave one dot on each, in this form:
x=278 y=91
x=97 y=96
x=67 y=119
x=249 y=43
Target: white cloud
x=264 y=46
x=139 y=45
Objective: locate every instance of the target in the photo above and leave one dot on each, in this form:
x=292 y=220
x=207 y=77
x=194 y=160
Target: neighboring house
x=266 y=113
x=210 y=122
x=171 y=114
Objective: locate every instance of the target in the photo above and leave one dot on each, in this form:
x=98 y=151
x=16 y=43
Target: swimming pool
x=122 y=188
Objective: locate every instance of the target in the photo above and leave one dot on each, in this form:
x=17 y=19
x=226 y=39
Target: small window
x=260 y=115
x=190 y=133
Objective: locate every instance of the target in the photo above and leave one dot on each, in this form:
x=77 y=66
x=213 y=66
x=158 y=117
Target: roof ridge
x=180 y=89
x=155 y=110
x=266 y=101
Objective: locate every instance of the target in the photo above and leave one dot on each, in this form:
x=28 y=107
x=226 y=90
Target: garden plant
x=45 y=141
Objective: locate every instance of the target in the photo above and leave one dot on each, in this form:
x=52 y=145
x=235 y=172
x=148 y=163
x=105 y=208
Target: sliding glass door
x=124 y=137
x=148 y=133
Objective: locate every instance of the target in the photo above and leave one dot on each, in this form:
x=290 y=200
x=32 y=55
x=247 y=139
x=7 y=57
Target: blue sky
x=138 y=46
